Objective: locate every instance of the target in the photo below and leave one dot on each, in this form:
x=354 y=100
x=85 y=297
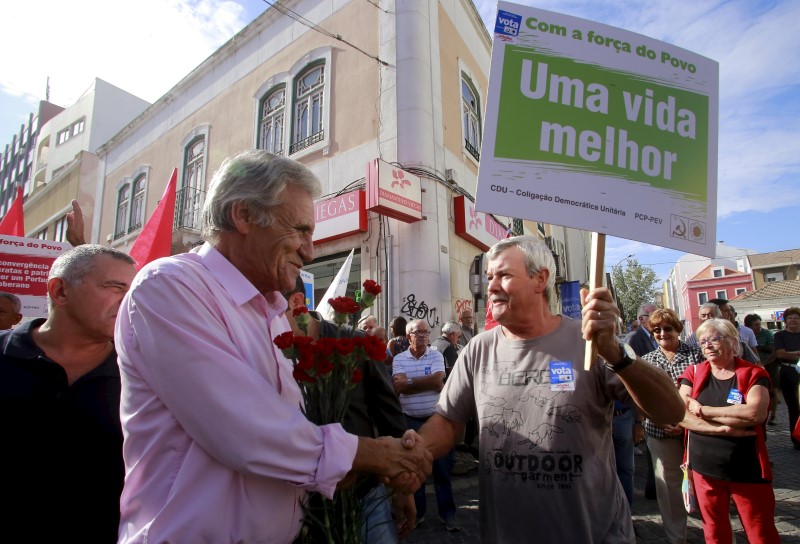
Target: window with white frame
x=702 y=298
x=137 y=203
x=722 y=294
x=773 y=276
x=309 y=96
x=718 y=272
x=60 y=231
x=470 y=114
x=78 y=127
x=740 y=290
x=190 y=199
x=123 y=210
x=271 y=121
x=63 y=136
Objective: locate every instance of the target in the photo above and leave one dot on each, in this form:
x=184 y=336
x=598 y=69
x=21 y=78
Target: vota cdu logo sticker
x=507 y=23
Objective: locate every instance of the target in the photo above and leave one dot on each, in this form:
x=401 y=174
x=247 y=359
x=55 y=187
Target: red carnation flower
x=345 y=346
x=301 y=310
x=324 y=366
x=344 y=305
x=357 y=376
x=285 y=340
x=372 y=287
x=302 y=376
x=375 y=348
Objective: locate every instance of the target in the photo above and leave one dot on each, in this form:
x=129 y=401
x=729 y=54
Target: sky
x=146 y=47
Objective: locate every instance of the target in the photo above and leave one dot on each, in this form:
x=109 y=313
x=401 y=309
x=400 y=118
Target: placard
x=598 y=128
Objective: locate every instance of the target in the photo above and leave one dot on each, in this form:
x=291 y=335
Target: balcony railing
x=472 y=150
x=306 y=142
x=188 y=205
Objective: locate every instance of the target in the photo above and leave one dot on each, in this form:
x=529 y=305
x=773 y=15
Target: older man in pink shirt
x=216 y=448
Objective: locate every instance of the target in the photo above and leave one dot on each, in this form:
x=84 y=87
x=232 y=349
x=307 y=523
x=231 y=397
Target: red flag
x=155 y=240
x=490 y=322
x=13 y=224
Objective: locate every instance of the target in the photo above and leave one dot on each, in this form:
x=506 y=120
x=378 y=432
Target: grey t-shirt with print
x=547 y=470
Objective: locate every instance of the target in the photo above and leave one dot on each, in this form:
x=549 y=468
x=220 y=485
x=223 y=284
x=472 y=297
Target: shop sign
x=478 y=228
x=393 y=192
x=340 y=216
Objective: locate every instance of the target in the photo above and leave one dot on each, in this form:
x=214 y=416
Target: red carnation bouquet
x=327 y=371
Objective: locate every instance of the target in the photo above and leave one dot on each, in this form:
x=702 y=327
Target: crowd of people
x=154 y=406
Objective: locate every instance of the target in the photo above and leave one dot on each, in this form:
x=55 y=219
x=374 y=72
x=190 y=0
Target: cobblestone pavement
x=646 y=519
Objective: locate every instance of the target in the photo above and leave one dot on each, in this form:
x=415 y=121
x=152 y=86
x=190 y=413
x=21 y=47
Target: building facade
x=775 y=266
x=16 y=160
x=65 y=166
x=382 y=101
x=711 y=283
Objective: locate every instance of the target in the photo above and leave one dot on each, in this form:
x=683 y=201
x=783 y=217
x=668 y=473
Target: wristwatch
x=627 y=358
x=409 y=381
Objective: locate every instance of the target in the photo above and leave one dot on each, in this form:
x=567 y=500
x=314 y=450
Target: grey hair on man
x=537 y=257
x=16 y=303
x=73 y=265
x=715 y=311
x=256 y=178
x=451 y=327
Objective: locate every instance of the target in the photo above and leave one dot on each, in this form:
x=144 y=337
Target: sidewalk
x=646 y=518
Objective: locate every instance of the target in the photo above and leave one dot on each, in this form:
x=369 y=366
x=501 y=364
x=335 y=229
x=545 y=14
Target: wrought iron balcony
x=306 y=142
x=472 y=150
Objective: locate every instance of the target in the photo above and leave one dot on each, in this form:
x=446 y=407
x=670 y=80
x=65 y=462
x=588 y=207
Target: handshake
x=402 y=463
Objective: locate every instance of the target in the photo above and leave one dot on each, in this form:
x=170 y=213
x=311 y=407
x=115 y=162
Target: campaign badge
x=735 y=397
x=562 y=376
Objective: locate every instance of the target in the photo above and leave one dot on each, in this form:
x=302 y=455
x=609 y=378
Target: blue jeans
x=622 y=433
x=441 y=481
x=377 y=527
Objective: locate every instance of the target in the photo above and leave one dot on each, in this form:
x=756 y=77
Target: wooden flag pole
x=595 y=280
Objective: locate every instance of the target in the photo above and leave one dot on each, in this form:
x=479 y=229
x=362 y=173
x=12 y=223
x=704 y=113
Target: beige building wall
x=230 y=114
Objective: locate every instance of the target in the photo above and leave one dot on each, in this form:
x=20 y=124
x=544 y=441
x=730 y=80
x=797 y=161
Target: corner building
x=383 y=101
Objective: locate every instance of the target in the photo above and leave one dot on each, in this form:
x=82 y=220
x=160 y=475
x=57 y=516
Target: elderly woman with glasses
x=727 y=392
x=665 y=442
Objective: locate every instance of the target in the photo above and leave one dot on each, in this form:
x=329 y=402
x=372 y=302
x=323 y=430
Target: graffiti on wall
x=419 y=310
x=461 y=305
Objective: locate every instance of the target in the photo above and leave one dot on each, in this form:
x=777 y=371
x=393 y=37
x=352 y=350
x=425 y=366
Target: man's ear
x=58 y=291
x=17 y=318
x=296 y=300
x=543 y=274
x=241 y=216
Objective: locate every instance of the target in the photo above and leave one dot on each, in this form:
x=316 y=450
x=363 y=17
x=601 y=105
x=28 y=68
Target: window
x=270 y=126
x=740 y=290
x=60 y=232
x=470 y=113
x=718 y=272
x=309 y=94
x=63 y=136
x=42 y=234
x=123 y=208
x=137 y=204
x=722 y=294
x=189 y=200
x=774 y=276
x=78 y=127
x=702 y=298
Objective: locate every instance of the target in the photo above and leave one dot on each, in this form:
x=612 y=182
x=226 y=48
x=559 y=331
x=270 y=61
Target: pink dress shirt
x=216 y=448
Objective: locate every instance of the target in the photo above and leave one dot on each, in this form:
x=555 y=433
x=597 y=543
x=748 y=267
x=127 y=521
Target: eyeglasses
x=658 y=330
x=716 y=340
x=420 y=333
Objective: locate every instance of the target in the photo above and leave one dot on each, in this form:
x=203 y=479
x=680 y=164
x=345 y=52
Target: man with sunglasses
x=418 y=377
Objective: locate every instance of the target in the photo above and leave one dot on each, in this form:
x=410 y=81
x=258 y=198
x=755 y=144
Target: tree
x=634 y=285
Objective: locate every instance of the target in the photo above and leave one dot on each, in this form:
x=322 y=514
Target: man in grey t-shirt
x=547 y=460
